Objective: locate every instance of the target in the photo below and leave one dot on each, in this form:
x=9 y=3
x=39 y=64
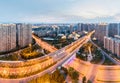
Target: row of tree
x=55 y=77
x=58 y=77
x=31 y=52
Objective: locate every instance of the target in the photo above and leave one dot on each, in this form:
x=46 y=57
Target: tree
x=61 y=78
x=73 y=74
x=65 y=70
x=57 y=76
x=13 y=57
x=89 y=81
x=43 y=79
x=84 y=80
x=32 y=81
x=70 y=69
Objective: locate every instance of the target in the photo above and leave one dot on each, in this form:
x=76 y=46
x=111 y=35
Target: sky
x=59 y=11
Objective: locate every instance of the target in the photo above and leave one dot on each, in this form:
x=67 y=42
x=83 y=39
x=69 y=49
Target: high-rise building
x=7 y=37
x=84 y=27
x=24 y=36
x=100 y=32
x=79 y=27
x=71 y=28
x=14 y=35
x=107 y=43
x=118 y=29
x=112 y=29
x=117 y=48
x=91 y=27
x=112 y=45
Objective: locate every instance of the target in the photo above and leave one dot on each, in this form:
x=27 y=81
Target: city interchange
x=25 y=70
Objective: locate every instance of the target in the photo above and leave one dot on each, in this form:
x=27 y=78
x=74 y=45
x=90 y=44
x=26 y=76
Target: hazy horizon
x=59 y=11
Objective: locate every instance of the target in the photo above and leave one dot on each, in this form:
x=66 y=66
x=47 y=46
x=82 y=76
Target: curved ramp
x=44 y=45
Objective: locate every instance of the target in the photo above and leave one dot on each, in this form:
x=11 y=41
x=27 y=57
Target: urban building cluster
x=104 y=32
x=113 y=45
x=109 y=36
x=100 y=32
x=14 y=36
x=109 y=30
x=55 y=29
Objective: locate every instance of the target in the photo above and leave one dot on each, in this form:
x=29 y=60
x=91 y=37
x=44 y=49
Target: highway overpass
x=43 y=44
x=37 y=67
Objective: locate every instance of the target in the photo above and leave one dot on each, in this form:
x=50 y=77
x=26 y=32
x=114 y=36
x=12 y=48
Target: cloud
x=60 y=11
x=68 y=19
x=42 y=18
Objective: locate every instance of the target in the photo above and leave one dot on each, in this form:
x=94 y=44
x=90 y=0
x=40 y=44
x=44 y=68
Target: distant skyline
x=59 y=11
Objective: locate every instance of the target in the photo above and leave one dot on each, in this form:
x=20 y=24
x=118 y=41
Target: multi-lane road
x=58 y=57
x=95 y=72
x=44 y=45
x=90 y=70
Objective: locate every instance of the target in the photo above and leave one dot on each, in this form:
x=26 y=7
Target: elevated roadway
x=55 y=59
x=44 y=45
